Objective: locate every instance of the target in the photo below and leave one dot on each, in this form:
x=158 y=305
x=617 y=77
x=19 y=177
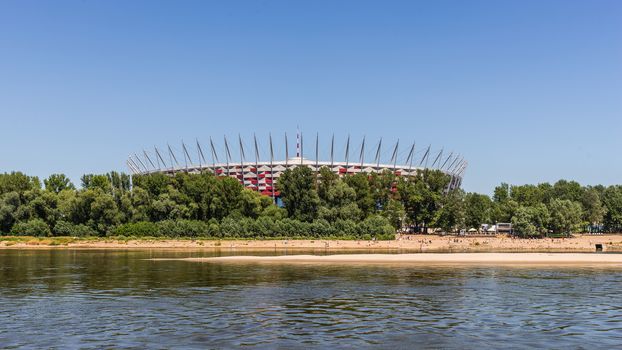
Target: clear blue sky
x=528 y=91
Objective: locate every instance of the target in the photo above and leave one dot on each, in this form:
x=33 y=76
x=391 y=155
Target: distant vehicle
x=491 y=229
x=504 y=227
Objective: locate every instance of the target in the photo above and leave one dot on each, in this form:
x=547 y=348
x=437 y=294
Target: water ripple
x=75 y=300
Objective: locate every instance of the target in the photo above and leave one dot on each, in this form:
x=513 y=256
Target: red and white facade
x=262 y=176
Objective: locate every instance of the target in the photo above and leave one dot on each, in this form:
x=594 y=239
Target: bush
x=345 y=228
x=387 y=237
x=213 y=228
x=34 y=227
x=241 y=227
x=183 y=228
x=247 y=228
x=137 y=229
x=264 y=227
x=274 y=212
x=167 y=228
x=376 y=226
x=192 y=228
x=64 y=228
x=321 y=228
x=292 y=228
x=284 y=227
x=230 y=228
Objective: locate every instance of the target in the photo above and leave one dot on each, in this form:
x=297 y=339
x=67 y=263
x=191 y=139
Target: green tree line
x=315 y=205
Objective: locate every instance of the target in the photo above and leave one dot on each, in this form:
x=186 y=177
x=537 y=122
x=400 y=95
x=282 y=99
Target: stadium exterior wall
x=262 y=176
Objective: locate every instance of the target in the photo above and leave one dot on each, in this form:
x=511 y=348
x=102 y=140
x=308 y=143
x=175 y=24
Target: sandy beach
x=429 y=258
x=409 y=243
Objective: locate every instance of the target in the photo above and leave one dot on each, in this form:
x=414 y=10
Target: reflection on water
x=98 y=299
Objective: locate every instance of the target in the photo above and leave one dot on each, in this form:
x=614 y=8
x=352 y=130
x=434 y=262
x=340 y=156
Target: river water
x=119 y=299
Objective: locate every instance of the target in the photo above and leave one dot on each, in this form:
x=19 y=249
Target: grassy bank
x=52 y=241
x=9 y=241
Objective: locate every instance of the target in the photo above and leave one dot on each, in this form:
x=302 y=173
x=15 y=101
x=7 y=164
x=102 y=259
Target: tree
x=275 y=213
x=198 y=204
x=570 y=190
x=527 y=195
x=546 y=191
x=421 y=195
x=140 y=206
x=531 y=221
x=364 y=199
x=612 y=201
x=411 y=197
x=477 y=209
x=120 y=182
x=103 y=211
x=298 y=194
x=420 y=200
x=202 y=190
x=381 y=187
x=436 y=180
x=395 y=213
x=58 y=182
x=522 y=223
x=450 y=216
x=252 y=203
x=18 y=182
x=504 y=211
x=227 y=200
x=540 y=217
x=154 y=184
x=9 y=202
x=172 y=205
x=339 y=203
x=501 y=193
x=327 y=179
x=593 y=209
x=92 y=181
x=44 y=205
x=34 y=227
x=565 y=215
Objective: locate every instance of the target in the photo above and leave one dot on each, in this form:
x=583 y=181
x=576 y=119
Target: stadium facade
x=261 y=171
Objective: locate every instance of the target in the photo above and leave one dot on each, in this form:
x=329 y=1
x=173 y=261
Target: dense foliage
x=319 y=205
x=561 y=208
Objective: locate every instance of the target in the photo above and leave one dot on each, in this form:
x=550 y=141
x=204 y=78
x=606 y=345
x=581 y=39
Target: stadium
x=262 y=170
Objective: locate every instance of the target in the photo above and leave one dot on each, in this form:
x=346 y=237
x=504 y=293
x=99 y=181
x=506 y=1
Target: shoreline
x=406 y=243
x=430 y=258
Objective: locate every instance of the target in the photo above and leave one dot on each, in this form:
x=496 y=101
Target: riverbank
x=431 y=258
x=407 y=243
